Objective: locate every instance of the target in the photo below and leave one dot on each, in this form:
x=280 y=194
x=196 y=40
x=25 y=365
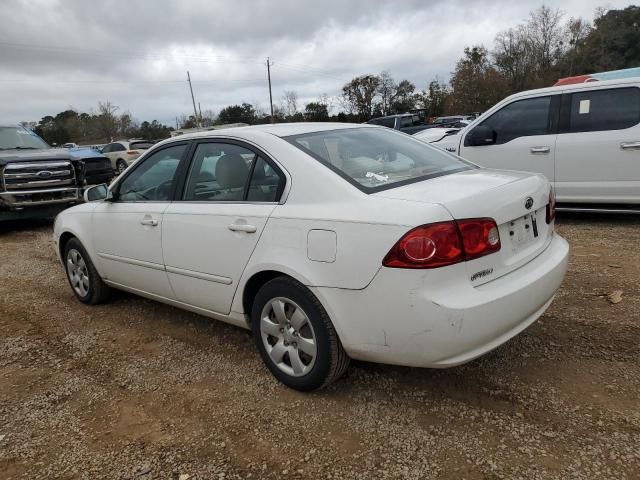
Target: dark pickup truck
x=404 y=122
x=37 y=180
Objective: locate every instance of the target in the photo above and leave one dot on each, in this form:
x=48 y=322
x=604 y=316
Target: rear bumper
x=435 y=318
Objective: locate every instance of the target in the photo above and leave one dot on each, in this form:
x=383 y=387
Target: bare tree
x=386 y=90
x=546 y=34
x=514 y=58
x=290 y=103
x=107 y=123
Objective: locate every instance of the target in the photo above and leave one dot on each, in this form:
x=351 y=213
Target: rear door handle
x=148 y=221
x=630 y=146
x=543 y=149
x=242 y=227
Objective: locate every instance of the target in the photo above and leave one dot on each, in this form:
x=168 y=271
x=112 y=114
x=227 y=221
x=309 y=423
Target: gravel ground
x=137 y=389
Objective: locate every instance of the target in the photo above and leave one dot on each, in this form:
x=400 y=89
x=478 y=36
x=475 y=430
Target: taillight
x=551 y=206
x=133 y=152
x=444 y=243
x=480 y=237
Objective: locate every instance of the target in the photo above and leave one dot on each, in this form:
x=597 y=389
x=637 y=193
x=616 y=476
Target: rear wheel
x=295 y=336
x=82 y=275
x=121 y=166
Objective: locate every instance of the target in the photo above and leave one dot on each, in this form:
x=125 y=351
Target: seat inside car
x=231 y=175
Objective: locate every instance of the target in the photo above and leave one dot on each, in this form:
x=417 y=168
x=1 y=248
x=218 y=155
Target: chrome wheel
x=288 y=336
x=78 y=272
x=121 y=167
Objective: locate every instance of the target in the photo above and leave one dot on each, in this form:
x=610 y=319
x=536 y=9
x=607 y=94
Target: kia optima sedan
x=330 y=242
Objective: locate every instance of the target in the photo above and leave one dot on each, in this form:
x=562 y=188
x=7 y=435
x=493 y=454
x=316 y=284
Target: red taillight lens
x=551 y=206
x=445 y=243
x=133 y=152
x=428 y=246
x=479 y=237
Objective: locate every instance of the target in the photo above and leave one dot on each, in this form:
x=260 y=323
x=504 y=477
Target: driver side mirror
x=481 y=135
x=96 y=193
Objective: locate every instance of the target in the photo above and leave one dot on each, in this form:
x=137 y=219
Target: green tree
x=404 y=98
x=476 y=85
x=359 y=94
x=316 y=112
x=244 y=113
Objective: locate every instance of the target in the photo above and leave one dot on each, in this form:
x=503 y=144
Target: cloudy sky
x=75 y=53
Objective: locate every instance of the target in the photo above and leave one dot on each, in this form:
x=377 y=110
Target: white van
x=585 y=138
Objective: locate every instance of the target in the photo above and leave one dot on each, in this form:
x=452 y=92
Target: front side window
x=598 y=110
x=376 y=159
x=223 y=172
x=154 y=179
x=522 y=118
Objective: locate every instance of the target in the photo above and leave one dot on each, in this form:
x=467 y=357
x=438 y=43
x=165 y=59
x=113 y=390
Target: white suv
x=124 y=152
x=585 y=138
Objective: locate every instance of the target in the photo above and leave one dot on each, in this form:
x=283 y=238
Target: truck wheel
x=295 y=336
x=83 y=276
x=121 y=166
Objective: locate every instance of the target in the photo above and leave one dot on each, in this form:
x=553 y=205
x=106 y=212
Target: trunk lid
x=515 y=200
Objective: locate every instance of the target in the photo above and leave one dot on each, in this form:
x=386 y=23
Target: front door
x=209 y=235
x=128 y=230
x=522 y=138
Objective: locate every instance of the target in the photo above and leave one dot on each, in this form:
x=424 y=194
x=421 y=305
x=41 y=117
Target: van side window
x=597 y=110
x=522 y=118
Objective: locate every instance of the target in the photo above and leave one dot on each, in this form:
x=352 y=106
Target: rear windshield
x=140 y=145
x=375 y=159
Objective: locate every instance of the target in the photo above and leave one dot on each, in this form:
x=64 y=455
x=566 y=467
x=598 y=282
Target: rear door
x=598 y=147
x=209 y=235
x=523 y=137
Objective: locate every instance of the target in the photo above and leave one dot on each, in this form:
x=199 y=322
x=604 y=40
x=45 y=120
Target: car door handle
x=630 y=146
x=543 y=149
x=242 y=227
x=150 y=222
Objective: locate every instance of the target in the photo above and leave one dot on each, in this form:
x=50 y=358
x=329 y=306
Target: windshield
x=21 y=138
x=375 y=159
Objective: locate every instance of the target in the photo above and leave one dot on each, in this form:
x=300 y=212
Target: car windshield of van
x=20 y=139
x=375 y=159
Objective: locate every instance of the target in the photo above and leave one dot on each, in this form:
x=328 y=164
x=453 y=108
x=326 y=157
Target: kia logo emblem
x=44 y=174
x=528 y=203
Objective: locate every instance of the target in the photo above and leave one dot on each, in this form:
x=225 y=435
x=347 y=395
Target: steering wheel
x=163 y=191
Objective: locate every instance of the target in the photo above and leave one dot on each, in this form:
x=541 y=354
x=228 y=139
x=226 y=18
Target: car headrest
x=231 y=171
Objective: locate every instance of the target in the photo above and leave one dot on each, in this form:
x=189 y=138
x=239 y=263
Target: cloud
x=57 y=54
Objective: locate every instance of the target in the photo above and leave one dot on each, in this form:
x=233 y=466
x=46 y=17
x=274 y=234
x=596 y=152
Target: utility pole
x=270 y=96
x=200 y=112
x=195 y=112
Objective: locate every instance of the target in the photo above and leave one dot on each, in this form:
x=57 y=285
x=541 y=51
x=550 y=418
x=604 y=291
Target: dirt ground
x=137 y=389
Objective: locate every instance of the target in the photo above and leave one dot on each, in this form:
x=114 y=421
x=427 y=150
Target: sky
x=60 y=54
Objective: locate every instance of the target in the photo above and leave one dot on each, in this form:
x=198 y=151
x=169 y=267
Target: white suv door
x=598 y=146
x=128 y=230
x=516 y=136
x=209 y=235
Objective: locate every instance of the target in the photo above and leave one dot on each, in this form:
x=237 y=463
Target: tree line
x=533 y=54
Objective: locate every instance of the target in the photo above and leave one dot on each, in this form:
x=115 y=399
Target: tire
x=121 y=166
x=82 y=275
x=295 y=336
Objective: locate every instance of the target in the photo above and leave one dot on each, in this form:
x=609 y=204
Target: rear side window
x=599 y=110
x=140 y=145
x=117 y=147
x=522 y=118
x=385 y=122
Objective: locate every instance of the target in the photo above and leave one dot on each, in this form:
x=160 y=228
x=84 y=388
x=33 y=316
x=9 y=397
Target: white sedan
x=330 y=241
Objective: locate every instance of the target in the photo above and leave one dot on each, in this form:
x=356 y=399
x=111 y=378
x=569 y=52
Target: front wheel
x=295 y=336
x=83 y=276
x=121 y=166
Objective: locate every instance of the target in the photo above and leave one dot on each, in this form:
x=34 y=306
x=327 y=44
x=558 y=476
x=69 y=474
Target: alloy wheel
x=288 y=336
x=78 y=272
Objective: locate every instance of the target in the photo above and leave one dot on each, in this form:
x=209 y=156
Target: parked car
x=405 y=122
x=585 y=138
x=37 y=180
x=329 y=241
x=124 y=152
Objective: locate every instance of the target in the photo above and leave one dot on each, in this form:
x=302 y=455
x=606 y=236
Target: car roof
x=278 y=129
x=577 y=86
